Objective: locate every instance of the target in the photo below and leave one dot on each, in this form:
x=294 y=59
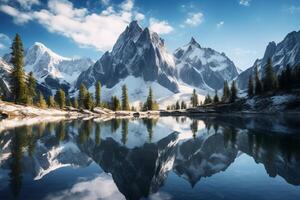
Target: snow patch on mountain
x=204 y=68
x=43 y=62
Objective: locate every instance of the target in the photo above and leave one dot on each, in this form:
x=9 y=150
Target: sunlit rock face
x=138 y=52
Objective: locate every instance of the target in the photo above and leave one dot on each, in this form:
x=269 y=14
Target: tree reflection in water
x=141 y=170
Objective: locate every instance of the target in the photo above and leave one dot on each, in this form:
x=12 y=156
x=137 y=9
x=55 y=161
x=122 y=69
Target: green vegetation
x=194 y=99
x=125 y=102
x=18 y=75
x=31 y=86
x=98 y=94
x=60 y=98
x=42 y=103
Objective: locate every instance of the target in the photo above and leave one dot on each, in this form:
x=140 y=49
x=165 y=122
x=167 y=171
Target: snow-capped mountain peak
x=204 y=68
x=51 y=69
x=138 y=52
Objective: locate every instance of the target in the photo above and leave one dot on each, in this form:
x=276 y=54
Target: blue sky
x=77 y=28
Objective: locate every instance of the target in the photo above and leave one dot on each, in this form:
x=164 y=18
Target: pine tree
x=149 y=102
x=82 y=95
x=75 y=103
x=51 y=102
x=18 y=75
x=208 y=99
x=285 y=79
x=68 y=101
x=125 y=103
x=88 y=101
x=60 y=98
x=258 y=84
x=177 y=105
x=183 y=105
x=98 y=94
x=194 y=99
x=250 y=86
x=226 y=92
x=115 y=103
x=42 y=103
x=216 y=98
x=31 y=87
x=233 y=91
x=269 y=81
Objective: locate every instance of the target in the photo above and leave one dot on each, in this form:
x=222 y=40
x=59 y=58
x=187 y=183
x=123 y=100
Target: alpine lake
x=236 y=157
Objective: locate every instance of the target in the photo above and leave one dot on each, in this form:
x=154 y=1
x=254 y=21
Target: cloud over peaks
x=160 y=27
x=194 y=19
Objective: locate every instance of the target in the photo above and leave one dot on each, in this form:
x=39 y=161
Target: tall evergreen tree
x=149 y=104
x=258 y=84
x=51 y=102
x=270 y=79
x=233 y=92
x=216 y=98
x=98 y=94
x=207 y=99
x=226 y=92
x=31 y=87
x=60 y=98
x=75 y=103
x=177 y=105
x=125 y=102
x=82 y=95
x=285 y=79
x=250 y=86
x=42 y=103
x=18 y=75
x=183 y=105
x=194 y=99
x=88 y=101
x=115 y=103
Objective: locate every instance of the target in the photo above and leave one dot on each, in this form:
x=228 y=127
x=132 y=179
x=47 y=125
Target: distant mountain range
x=286 y=52
x=50 y=69
x=140 y=59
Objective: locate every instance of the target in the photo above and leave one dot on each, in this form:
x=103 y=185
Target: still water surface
x=213 y=157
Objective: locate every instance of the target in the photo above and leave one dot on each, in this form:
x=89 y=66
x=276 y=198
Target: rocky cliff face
x=5 y=71
x=286 y=52
x=204 y=68
x=138 y=52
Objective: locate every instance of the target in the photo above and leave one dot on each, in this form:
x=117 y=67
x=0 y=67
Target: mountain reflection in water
x=137 y=158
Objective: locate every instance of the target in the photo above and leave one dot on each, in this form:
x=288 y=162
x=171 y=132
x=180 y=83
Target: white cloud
x=194 y=19
x=98 y=30
x=139 y=17
x=90 y=190
x=245 y=2
x=292 y=9
x=27 y=4
x=127 y=5
x=4 y=41
x=220 y=24
x=105 y=2
x=160 y=27
x=19 y=17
